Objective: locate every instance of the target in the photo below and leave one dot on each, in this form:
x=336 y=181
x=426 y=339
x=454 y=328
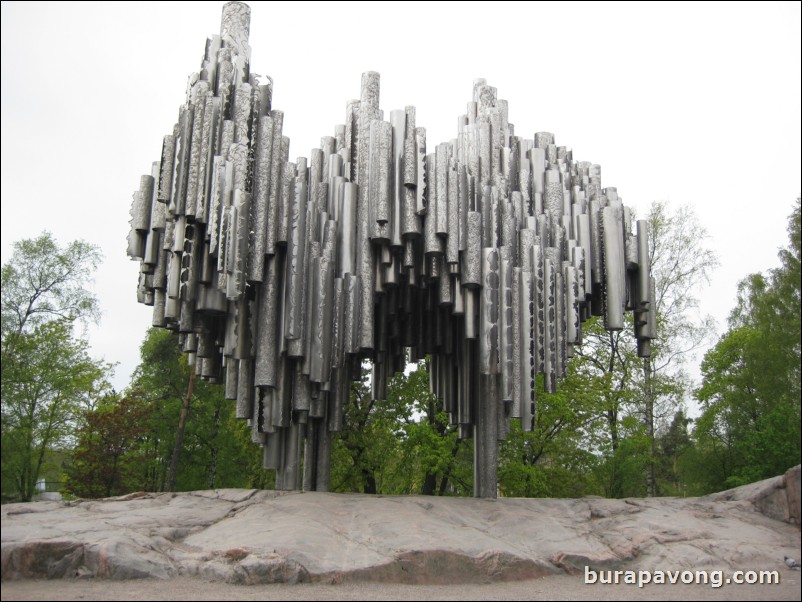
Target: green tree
x=44 y=282
x=400 y=445
x=673 y=446
x=597 y=434
x=214 y=448
x=434 y=461
x=636 y=398
x=682 y=264
x=47 y=375
x=160 y=379
x=47 y=381
x=605 y=372
x=750 y=394
x=555 y=459
x=362 y=452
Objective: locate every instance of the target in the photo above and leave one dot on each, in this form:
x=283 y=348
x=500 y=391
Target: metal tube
x=296 y=263
x=420 y=190
x=485 y=436
x=489 y=312
x=505 y=325
x=472 y=259
x=442 y=157
x=261 y=193
x=286 y=197
x=432 y=243
x=453 y=213
x=613 y=259
x=275 y=183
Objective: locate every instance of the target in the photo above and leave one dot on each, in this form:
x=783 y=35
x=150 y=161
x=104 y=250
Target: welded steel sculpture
x=282 y=277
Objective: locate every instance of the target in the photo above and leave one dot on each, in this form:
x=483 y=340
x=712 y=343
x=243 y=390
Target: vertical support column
x=485 y=439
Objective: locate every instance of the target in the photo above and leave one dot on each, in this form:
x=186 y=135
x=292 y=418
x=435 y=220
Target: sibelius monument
x=486 y=253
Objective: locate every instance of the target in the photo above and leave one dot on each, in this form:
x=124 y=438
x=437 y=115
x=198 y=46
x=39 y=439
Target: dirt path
x=560 y=587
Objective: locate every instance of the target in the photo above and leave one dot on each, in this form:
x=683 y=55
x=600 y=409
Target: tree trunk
x=27 y=481
x=612 y=422
x=429 y=484
x=112 y=477
x=370 y=482
x=23 y=482
x=430 y=479
x=616 y=484
x=179 y=436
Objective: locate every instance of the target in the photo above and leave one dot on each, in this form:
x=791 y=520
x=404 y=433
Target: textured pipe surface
x=486 y=254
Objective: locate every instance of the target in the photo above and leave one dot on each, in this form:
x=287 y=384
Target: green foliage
x=433 y=460
x=673 y=446
x=44 y=282
x=562 y=469
x=47 y=381
x=246 y=459
x=750 y=425
x=362 y=452
x=554 y=459
x=605 y=385
x=622 y=470
x=597 y=435
x=161 y=377
x=47 y=375
x=216 y=447
x=400 y=445
x=126 y=444
x=682 y=264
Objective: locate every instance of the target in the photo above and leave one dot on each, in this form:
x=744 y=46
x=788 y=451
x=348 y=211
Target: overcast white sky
x=694 y=103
